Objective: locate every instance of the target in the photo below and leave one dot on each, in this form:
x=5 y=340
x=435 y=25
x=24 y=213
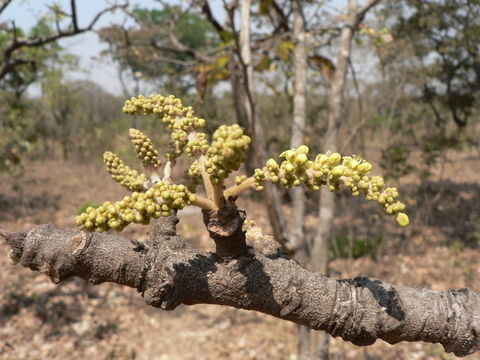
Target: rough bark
x=168 y=272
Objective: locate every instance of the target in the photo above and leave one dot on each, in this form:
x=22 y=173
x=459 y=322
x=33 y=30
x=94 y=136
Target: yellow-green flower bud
x=122 y=174
x=402 y=219
x=302 y=149
x=321 y=159
x=226 y=153
x=240 y=179
x=337 y=171
x=272 y=164
x=288 y=154
x=364 y=167
x=334 y=159
x=289 y=168
x=301 y=159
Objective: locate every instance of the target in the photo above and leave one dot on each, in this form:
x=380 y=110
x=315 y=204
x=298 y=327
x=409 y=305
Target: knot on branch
x=292 y=296
x=16 y=241
x=80 y=243
x=226 y=229
x=161 y=291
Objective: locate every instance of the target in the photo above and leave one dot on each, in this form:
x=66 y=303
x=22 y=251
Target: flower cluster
x=333 y=170
x=212 y=164
x=139 y=208
x=197 y=144
x=180 y=120
x=145 y=149
x=122 y=174
x=226 y=153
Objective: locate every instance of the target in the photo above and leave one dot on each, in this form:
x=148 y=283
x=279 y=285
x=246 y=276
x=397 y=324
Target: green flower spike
x=145 y=149
x=226 y=153
x=139 y=208
x=122 y=174
x=330 y=169
x=180 y=120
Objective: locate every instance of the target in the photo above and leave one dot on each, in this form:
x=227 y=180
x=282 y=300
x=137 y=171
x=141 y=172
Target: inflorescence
x=331 y=170
x=180 y=120
x=226 y=154
x=138 y=208
x=145 y=150
x=213 y=163
x=122 y=174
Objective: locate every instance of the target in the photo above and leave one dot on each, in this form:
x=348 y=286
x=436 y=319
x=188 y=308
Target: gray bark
x=168 y=272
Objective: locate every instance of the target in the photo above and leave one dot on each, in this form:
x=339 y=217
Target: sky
x=87 y=47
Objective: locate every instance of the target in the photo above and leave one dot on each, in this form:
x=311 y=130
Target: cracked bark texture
x=168 y=272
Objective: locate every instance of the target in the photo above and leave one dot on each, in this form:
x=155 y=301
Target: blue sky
x=26 y=13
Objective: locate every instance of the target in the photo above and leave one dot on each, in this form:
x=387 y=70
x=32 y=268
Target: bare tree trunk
x=296 y=226
x=239 y=101
x=65 y=152
x=239 y=97
x=320 y=253
x=298 y=129
x=272 y=198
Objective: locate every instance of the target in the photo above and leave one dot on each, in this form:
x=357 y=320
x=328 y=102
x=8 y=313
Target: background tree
x=24 y=57
x=441 y=36
x=15 y=45
x=172 y=48
x=77 y=115
x=14 y=81
x=297 y=231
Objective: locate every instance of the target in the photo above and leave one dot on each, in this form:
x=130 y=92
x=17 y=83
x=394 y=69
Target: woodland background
x=410 y=106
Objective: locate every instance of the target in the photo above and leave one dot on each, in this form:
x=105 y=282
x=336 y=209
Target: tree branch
x=63 y=34
x=169 y=273
x=4 y=4
x=244 y=54
x=356 y=16
x=8 y=64
x=174 y=46
x=73 y=6
x=283 y=19
x=181 y=47
x=207 y=11
x=367 y=6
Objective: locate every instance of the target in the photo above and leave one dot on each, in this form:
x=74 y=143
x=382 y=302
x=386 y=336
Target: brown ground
x=75 y=320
